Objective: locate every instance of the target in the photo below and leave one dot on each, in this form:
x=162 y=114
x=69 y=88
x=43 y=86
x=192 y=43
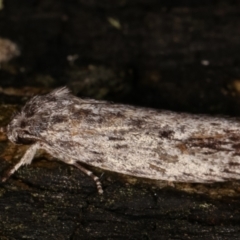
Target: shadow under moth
x=140 y=142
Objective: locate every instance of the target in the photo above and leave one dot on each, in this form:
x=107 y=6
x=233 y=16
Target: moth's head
x=27 y=125
x=17 y=130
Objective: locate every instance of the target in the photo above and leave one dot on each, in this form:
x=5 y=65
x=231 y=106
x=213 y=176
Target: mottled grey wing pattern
x=144 y=142
x=135 y=141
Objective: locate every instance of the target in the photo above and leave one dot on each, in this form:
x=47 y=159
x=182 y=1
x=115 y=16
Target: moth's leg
x=90 y=174
x=65 y=159
x=26 y=159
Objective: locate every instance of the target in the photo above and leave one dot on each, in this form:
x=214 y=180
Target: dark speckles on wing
x=236 y=154
x=81 y=113
x=116 y=138
x=110 y=118
x=138 y=173
x=236 y=146
x=120 y=146
x=157 y=168
x=210 y=143
x=226 y=170
x=234 y=138
x=234 y=164
x=138 y=123
x=113 y=115
x=87 y=115
x=69 y=145
x=166 y=134
x=215 y=124
x=59 y=119
x=96 y=153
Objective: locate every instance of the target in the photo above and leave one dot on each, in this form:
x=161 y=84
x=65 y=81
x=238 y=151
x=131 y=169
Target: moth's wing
x=148 y=143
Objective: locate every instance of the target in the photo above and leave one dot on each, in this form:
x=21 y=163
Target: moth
x=140 y=142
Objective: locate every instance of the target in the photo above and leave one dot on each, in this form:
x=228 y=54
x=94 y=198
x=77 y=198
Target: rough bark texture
x=176 y=55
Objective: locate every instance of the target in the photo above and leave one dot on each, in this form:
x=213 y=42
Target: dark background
x=155 y=58
x=177 y=55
